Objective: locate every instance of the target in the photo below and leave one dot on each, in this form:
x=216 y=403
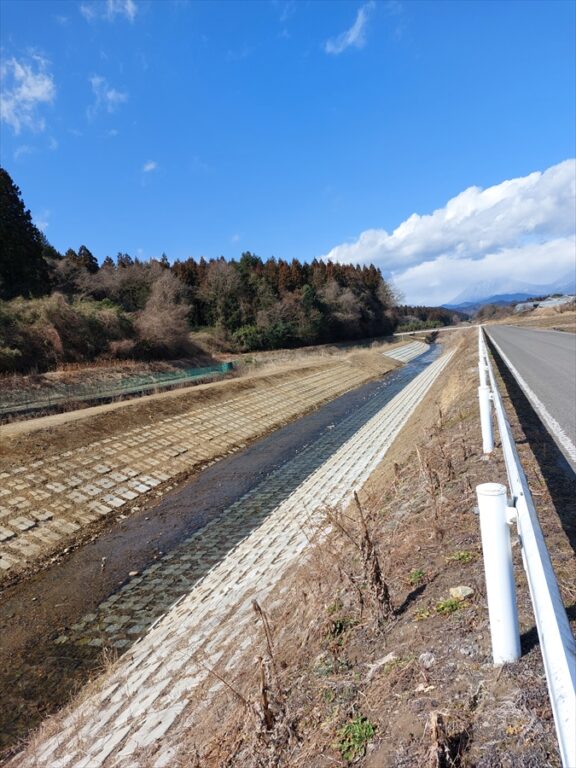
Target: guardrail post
x=486 y=418
x=500 y=587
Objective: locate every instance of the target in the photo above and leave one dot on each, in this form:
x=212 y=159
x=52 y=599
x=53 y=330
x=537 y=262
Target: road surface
x=544 y=364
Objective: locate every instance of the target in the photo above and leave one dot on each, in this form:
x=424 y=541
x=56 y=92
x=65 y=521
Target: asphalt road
x=546 y=362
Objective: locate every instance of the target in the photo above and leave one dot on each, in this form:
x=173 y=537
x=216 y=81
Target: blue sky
x=300 y=130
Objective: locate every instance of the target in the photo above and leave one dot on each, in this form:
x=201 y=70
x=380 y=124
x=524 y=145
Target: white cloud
x=88 y=11
x=354 y=36
x=151 y=165
x=41 y=220
x=522 y=227
x=105 y=97
x=22 y=151
x=287 y=9
x=25 y=86
x=109 y=10
x=440 y=281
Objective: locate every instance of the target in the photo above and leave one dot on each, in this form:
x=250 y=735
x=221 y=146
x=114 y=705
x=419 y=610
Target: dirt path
x=130 y=411
x=261 y=364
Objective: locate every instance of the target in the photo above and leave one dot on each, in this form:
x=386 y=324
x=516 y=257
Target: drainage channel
x=55 y=626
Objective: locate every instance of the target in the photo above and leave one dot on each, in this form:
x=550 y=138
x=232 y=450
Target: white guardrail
x=496 y=513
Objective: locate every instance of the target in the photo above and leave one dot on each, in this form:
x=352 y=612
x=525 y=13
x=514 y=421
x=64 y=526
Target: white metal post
x=500 y=587
x=486 y=418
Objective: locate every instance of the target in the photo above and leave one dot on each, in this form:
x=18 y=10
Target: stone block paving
x=43 y=503
x=408 y=351
x=143 y=702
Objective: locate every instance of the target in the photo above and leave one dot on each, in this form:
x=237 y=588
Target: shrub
x=248 y=338
x=38 y=334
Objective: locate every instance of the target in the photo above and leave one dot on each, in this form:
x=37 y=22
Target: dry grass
x=555 y=318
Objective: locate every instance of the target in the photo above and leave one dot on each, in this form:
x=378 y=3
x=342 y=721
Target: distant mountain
x=508 y=292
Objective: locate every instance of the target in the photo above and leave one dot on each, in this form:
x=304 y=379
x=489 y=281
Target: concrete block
x=56 y=487
x=113 y=501
x=139 y=487
x=99 y=508
x=105 y=482
x=90 y=490
x=77 y=497
x=22 y=523
x=46 y=536
x=25 y=547
x=39 y=495
x=63 y=526
x=126 y=493
x=6 y=533
x=149 y=480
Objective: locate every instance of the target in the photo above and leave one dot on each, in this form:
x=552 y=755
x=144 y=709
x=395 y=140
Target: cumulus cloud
x=151 y=165
x=480 y=233
x=109 y=10
x=105 y=97
x=503 y=271
x=353 y=37
x=26 y=85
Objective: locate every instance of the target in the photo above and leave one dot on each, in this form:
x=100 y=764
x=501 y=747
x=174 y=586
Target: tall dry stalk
x=372 y=569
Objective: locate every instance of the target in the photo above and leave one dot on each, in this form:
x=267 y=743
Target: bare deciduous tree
x=163 y=323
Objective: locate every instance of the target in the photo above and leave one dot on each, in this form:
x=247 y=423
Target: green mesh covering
x=60 y=393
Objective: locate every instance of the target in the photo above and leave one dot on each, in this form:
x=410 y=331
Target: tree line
x=58 y=307
x=415 y=318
